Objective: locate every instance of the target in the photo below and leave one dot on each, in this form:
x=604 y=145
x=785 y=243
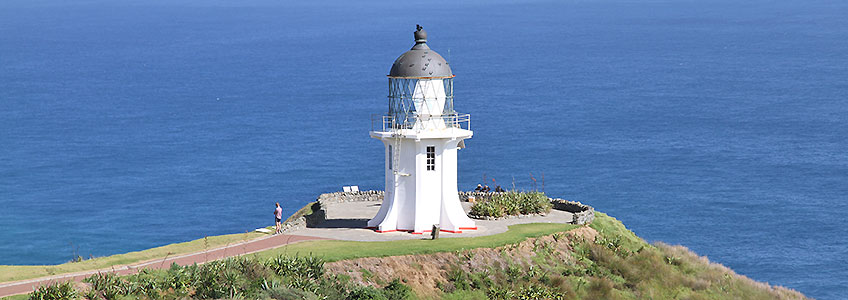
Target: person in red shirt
x=278 y=217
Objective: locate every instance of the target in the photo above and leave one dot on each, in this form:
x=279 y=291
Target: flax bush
x=281 y=277
x=512 y=204
x=55 y=291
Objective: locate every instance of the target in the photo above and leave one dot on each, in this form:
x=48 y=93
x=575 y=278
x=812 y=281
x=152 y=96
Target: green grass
x=334 y=250
x=303 y=211
x=14 y=273
x=620 y=265
x=465 y=295
x=17 y=297
x=609 y=226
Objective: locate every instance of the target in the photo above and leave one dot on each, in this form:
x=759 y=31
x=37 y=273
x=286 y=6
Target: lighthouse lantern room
x=421 y=133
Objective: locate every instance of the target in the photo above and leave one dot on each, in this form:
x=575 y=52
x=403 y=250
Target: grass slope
x=604 y=261
x=620 y=265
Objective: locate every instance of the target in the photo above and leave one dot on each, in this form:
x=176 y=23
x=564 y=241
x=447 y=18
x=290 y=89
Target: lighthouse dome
x=420 y=61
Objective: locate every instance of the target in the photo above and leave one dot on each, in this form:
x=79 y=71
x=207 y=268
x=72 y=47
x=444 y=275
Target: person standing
x=278 y=217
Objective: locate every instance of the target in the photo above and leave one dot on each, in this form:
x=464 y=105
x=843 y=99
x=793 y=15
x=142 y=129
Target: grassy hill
x=532 y=261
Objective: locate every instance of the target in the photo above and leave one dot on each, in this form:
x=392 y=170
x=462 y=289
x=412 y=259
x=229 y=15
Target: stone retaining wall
x=361 y=196
x=463 y=196
x=583 y=214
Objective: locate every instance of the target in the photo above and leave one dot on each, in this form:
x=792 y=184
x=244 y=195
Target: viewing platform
x=343 y=216
x=457 y=126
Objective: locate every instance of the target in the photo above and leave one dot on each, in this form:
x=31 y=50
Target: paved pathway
x=263 y=243
x=347 y=221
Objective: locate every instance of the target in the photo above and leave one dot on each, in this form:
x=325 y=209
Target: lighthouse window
x=391 y=157
x=431 y=158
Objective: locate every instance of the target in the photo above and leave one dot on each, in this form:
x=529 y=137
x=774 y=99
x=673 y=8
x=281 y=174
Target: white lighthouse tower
x=421 y=134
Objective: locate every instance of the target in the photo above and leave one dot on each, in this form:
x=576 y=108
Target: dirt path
x=264 y=243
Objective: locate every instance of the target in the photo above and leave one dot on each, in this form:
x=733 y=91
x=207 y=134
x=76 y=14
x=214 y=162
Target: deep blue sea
x=718 y=125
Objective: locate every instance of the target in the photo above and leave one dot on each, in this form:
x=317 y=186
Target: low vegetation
x=511 y=204
x=56 y=291
x=601 y=261
x=234 y=278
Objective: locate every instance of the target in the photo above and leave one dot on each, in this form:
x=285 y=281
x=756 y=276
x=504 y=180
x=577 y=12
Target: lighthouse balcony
x=387 y=123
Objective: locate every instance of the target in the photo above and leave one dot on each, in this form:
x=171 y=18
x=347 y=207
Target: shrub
x=281 y=277
x=513 y=272
x=397 y=291
x=55 y=291
x=106 y=285
x=366 y=293
x=487 y=208
x=143 y=284
x=537 y=291
x=178 y=279
x=512 y=203
x=500 y=292
x=601 y=288
x=613 y=243
x=285 y=293
x=307 y=267
x=481 y=280
x=459 y=279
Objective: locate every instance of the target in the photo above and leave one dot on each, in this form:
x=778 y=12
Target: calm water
x=717 y=125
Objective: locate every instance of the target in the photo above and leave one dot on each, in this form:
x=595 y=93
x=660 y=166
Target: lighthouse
x=421 y=133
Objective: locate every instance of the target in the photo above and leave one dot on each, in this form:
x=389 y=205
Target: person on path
x=278 y=217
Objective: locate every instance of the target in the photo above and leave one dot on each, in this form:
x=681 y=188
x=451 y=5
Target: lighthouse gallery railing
x=388 y=123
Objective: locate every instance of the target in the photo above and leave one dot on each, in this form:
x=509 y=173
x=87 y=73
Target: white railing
x=418 y=122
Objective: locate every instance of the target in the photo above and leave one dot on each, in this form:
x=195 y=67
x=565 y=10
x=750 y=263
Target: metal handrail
x=391 y=123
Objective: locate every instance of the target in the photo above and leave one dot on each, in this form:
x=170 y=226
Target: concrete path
x=347 y=221
x=263 y=243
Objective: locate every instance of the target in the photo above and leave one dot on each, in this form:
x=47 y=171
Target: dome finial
x=420 y=61
x=420 y=34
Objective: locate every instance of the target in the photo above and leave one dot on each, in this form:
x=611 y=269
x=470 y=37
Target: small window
x=391 y=157
x=431 y=158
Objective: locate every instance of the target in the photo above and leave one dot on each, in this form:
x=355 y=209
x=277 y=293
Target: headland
x=572 y=251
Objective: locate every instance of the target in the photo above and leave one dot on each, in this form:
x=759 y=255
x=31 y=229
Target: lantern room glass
x=412 y=100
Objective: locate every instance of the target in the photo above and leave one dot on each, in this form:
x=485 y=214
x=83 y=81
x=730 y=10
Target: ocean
x=718 y=125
